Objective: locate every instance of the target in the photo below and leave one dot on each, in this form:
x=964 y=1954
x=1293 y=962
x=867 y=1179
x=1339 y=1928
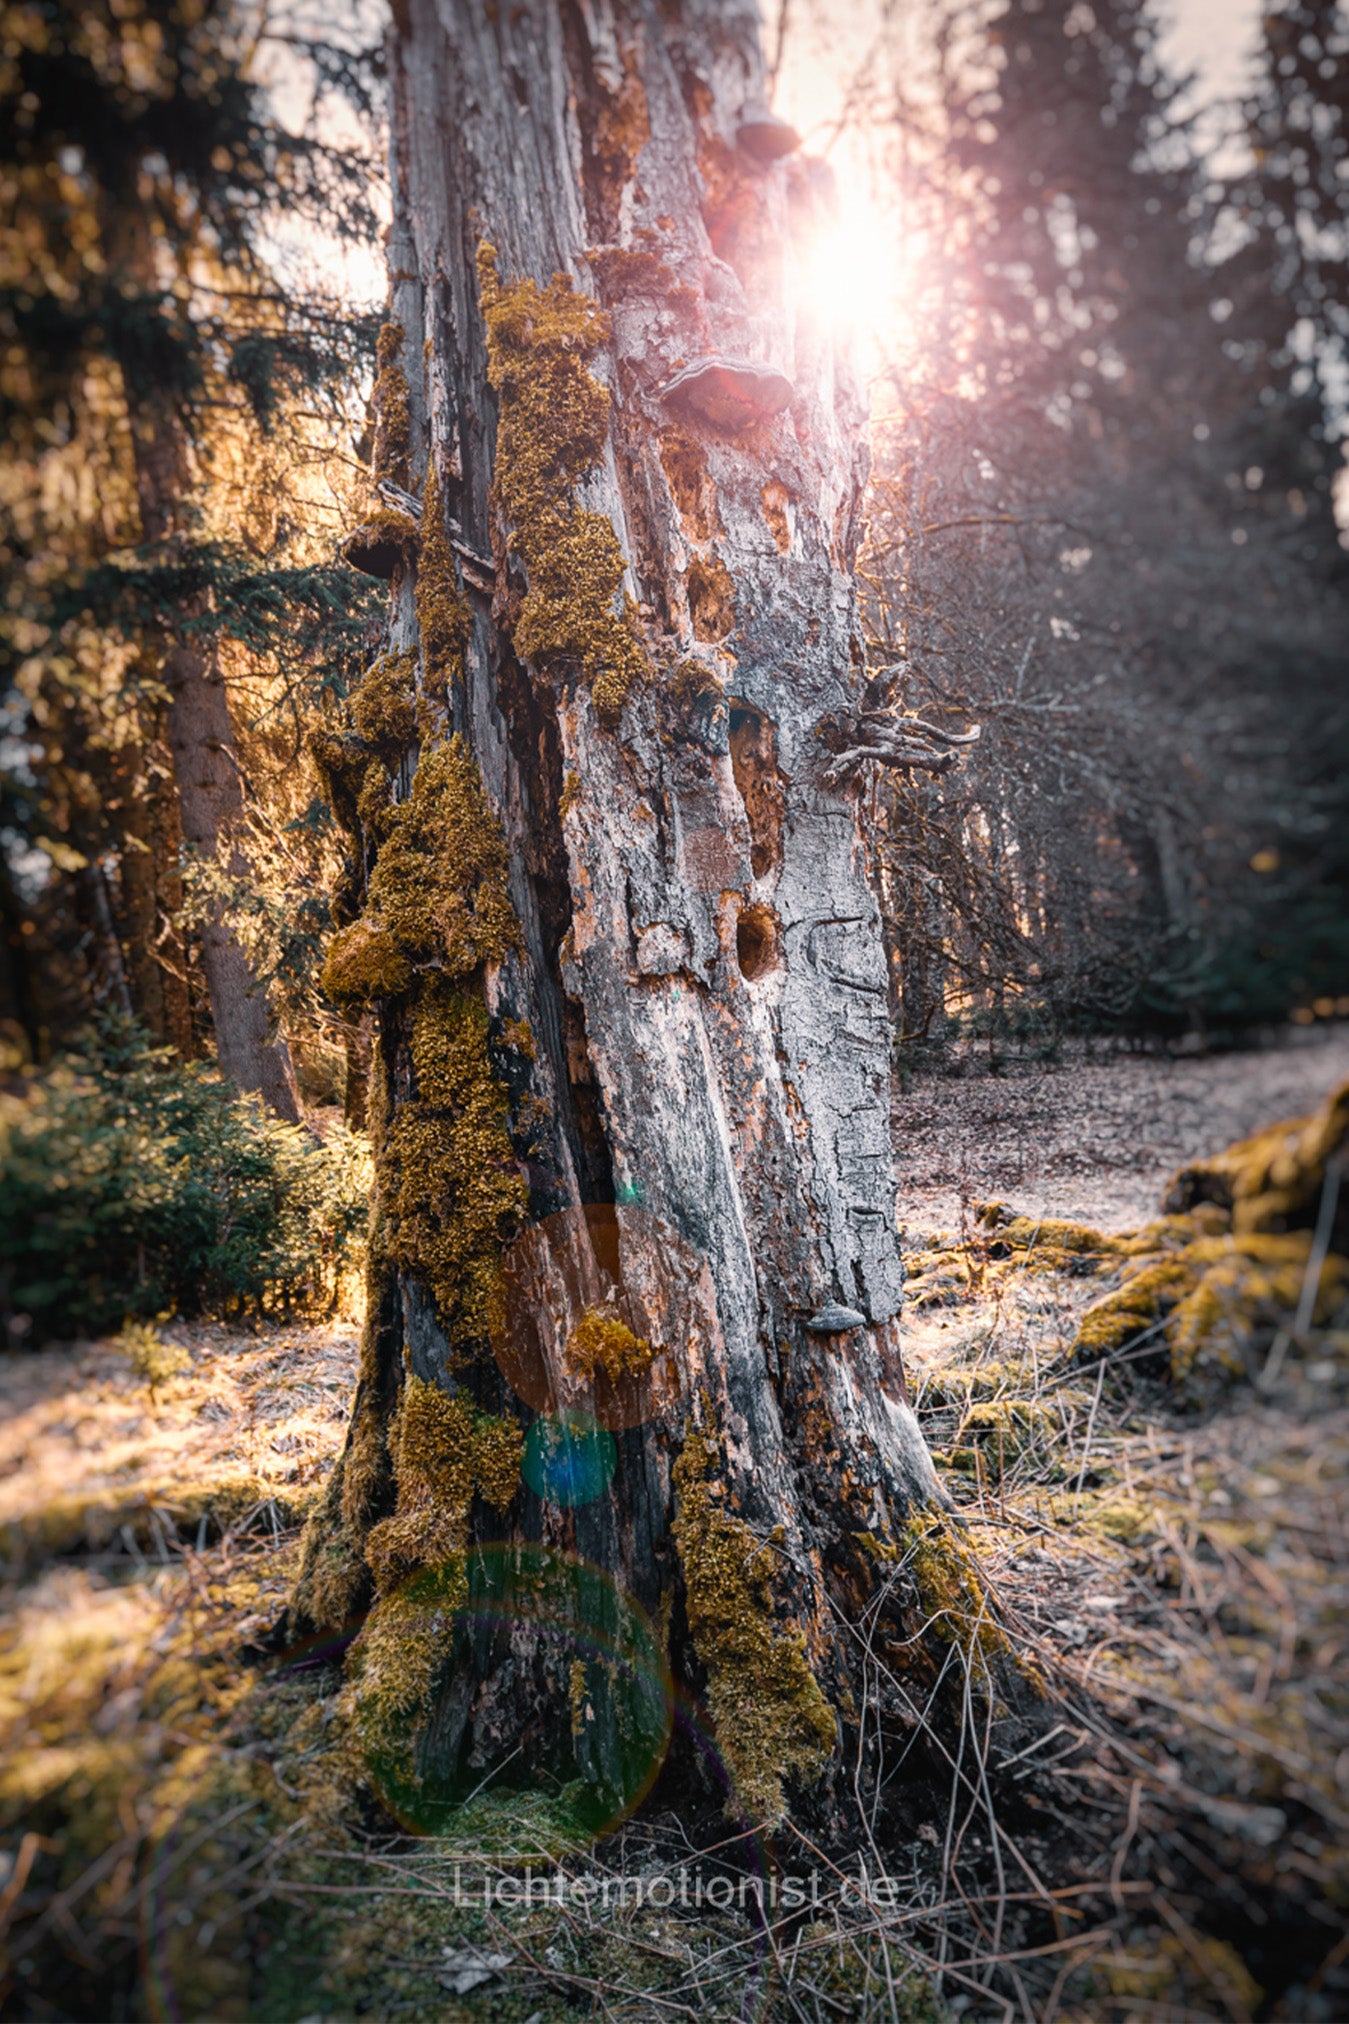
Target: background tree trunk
x=210 y=805
x=199 y=728
x=700 y=1104
x=151 y=888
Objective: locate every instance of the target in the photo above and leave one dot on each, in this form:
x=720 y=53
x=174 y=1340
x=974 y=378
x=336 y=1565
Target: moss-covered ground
x=186 y=1830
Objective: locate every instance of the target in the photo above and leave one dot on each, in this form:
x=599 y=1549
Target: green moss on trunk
x=603 y=1342
x=393 y=415
x=448 y=1178
x=953 y=1595
x=772 y=1720
x=439 y=882
x=443 y=616
x=552 y=433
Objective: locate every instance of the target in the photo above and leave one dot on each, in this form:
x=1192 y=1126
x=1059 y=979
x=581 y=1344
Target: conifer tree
x=142 y=171
x=1092 y=534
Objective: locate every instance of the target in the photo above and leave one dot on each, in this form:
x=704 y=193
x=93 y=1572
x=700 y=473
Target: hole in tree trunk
x=756 y=942
x=711 y=598
x=755 y=767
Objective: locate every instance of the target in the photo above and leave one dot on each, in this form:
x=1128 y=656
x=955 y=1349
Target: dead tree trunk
x=631 y=1091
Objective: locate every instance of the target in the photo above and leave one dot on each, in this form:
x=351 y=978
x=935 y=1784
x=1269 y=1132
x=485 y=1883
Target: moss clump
x=1122 y=1316
x=341 y=765
x=1211 y=1298
x=365 y=1466
x=333 y=1583
x=1251 y=1283
x=443 y=615
x=438 y=892
x=691 y=682
x=954 y=1599
x=518 y=1036
x=384 y=705
x=1161 y=1969
x=1005 y=1428
x=498 y=1445
x=393 y=1666
x=577 y=1697
x=1048 y=1243
x=393 y=414
x=375 y=800
x=771 y=1718
x=443 y=1450
x=1173 y=1233
x=1273 y=1181
x=439 y=883
x=449 y=1183
x=364 y=963
x=553 y=427
x=443 y=1446
x=602 y=1342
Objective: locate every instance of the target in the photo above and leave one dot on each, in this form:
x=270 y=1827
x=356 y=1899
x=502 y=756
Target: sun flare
x=850 y=276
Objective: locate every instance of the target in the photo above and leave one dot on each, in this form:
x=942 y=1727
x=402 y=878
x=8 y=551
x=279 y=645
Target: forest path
x=1093 y=1137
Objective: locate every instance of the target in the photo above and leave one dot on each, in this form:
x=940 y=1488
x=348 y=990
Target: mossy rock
x=1046 y=1243
x=1211 y=1301
x=1273 y=1181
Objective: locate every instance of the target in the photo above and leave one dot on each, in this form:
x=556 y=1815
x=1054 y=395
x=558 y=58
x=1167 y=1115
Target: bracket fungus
x=730 y=393
x=765 y=136
x=835 y=1319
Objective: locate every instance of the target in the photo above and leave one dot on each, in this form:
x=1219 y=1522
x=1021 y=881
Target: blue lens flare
x=569 y=1459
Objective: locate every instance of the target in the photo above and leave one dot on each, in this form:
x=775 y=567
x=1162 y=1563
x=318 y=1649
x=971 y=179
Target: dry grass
x=88 y=1448
x=1183 y=1583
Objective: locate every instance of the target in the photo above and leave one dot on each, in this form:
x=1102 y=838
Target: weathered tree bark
x=686 y=1029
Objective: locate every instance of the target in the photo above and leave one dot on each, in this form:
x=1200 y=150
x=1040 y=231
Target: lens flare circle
x=585 y=1669
x=569 y=1459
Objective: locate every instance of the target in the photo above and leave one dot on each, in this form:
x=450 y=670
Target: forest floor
x=1094 y=1135
x=179 y=1837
